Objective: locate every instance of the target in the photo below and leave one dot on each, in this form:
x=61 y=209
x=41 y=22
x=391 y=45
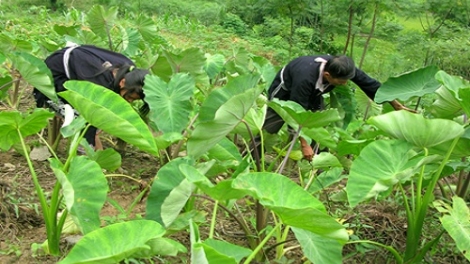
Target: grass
x=411 y=24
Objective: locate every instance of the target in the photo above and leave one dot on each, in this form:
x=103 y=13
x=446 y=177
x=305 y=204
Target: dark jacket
x=300 y=76
x=85 y=63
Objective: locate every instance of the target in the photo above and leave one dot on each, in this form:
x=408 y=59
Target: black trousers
x=272 y=124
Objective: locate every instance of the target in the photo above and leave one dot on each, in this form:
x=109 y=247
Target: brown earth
x=21 y=222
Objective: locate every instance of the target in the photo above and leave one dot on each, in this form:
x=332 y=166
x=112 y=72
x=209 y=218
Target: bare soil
x=21 y=223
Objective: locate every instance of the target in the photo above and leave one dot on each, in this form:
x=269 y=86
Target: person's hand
x=398 y=106
x=307 y=151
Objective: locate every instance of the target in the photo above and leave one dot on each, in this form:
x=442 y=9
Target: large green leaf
x=214 y=64
x=169 y=193
x=146 y=27
x=170 y=104
x=208 y=134
x=35 y=72
x=344 y=99
x=325 y=160
x=217 y=251
x=464 y=94
x=351 y=146
x=6 y=82
x=129 y=40
x=85 y=189
x=416 y=83
x=226 y=150
x=9 y=43
x=321 y=136
x=222 y=191
x=450 y=102
x=266 y=69
x=295 y=115
x=101 y=21
x=227 y=156
x=461 y=150
x=326 y=179
x=114 y=243
x=319 y=249
x=365 y=105
x=14 y=123
x=190 y=61
x=446 y=105
x=161 y=246
x=295 y=206
x=238 y=62
x=162 y=68
x=456 y=221
x=108 y=159
x=197 y=251
x=416 y=129
x=254 y=119
x=380 y=165
x=220 y=96
x=66 y=30
x=453 y=83
x=108 y=111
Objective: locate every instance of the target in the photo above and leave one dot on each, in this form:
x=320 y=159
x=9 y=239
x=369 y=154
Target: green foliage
x=233 y=23
x=228 y=103
x=106 y=245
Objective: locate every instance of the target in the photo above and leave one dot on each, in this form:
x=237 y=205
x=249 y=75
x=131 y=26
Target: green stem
x=419 y=186
x=214 y=218
x=74 y=147
x=416 y=229
x=60 y=223
x=240 y=220
x=52 y=240
x=395 y=253
x=260 y=245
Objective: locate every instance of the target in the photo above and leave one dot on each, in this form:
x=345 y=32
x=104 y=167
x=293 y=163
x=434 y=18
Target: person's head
x=129 y=83
x=339 y=69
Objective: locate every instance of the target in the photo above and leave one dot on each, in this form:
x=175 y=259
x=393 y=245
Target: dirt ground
x=21 y=223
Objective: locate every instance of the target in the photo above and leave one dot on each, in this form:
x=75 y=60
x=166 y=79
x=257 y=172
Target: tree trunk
x=291 y=37
x=321 y=26
x=371 y=33
x=350 y=21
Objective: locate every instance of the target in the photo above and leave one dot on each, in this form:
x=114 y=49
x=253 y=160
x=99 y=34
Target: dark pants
x=272 y=124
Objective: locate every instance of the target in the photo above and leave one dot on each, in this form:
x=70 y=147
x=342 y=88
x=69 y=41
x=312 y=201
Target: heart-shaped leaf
x=416 y=129
x=108 y=111
x=415 y=83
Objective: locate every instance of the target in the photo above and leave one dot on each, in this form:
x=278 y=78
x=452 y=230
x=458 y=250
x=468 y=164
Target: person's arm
x=398 y=106
x=370 y=86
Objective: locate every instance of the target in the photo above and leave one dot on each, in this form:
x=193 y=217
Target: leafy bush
x=234 y=23
x=208 y=13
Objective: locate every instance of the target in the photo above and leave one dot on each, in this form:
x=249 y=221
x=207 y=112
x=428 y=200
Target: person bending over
x=109 y=69
x=305 y=79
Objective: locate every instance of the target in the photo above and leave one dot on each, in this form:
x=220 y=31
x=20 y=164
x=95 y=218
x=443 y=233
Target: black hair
x=134 y=83
x=341 y=67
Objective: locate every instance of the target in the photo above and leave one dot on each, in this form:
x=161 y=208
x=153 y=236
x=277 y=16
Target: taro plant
x=21 y=68
x=208 y=148
x=101 y=105
x=414 y=160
